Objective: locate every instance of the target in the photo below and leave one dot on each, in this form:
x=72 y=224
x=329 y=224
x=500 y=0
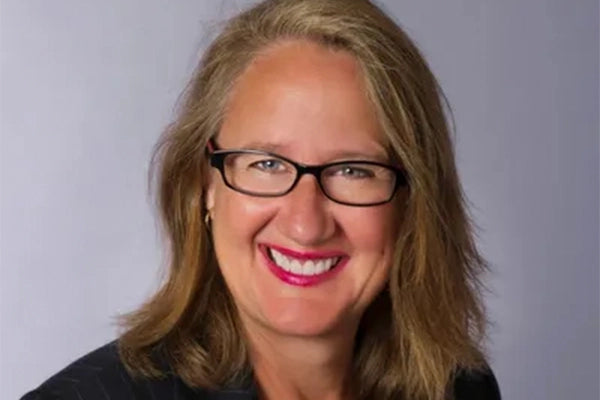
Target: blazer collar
x=242 y=390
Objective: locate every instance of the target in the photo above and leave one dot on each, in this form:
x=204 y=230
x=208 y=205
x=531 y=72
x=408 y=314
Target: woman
x=319 y=243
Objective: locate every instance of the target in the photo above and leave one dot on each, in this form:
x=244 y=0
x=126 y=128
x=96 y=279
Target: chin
x=301 y=317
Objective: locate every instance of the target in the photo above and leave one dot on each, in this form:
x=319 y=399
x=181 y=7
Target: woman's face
x=307 y=103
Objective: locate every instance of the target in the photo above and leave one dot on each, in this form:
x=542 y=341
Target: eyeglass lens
x=267 y=175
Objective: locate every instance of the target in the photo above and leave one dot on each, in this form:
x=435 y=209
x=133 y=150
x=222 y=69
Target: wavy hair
x=429 y=321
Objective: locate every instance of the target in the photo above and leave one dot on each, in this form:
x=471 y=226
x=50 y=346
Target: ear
x=209 y=191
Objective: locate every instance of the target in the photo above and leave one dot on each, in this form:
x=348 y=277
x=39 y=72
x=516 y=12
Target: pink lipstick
x=303 y=280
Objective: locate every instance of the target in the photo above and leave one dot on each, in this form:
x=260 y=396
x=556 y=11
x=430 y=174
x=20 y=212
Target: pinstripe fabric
x=100 y=375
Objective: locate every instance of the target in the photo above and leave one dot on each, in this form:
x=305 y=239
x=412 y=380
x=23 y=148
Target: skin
x=307 y=103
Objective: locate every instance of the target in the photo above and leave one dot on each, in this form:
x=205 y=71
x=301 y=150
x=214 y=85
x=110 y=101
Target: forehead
x=304 y=98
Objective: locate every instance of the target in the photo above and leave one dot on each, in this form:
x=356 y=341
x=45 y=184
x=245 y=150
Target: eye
x=352 y=171
x=268 y=165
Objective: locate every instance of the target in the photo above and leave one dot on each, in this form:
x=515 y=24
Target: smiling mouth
x=305 y=267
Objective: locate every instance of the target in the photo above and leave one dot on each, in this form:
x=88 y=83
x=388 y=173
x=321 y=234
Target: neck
x=298 y=368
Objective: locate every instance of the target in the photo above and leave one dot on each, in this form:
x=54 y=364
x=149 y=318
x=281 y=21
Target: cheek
x=236 y=212
x=233 y=226
x=237 y=219
x=372 y=230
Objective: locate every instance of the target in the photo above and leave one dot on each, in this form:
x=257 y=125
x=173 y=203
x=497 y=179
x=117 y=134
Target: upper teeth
x=305 y=267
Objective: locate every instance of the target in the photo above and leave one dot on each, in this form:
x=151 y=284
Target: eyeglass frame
x=217 y=160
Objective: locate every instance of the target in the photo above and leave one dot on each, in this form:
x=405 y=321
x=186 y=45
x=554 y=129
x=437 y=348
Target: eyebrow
x=381 y=155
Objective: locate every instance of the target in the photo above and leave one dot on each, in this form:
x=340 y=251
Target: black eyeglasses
x=264 y=174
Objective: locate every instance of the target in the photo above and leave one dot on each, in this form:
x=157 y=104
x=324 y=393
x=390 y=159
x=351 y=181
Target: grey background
x=87 y=86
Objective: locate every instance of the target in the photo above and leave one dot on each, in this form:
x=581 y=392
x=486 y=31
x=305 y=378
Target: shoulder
x=476 y=385
x=101 y=374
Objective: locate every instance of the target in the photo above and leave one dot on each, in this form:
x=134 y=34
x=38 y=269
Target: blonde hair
x=429 y=321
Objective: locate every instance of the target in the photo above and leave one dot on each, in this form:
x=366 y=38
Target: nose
x=304 y=216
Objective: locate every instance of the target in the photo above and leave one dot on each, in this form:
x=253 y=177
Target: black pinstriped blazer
x=101 y=375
